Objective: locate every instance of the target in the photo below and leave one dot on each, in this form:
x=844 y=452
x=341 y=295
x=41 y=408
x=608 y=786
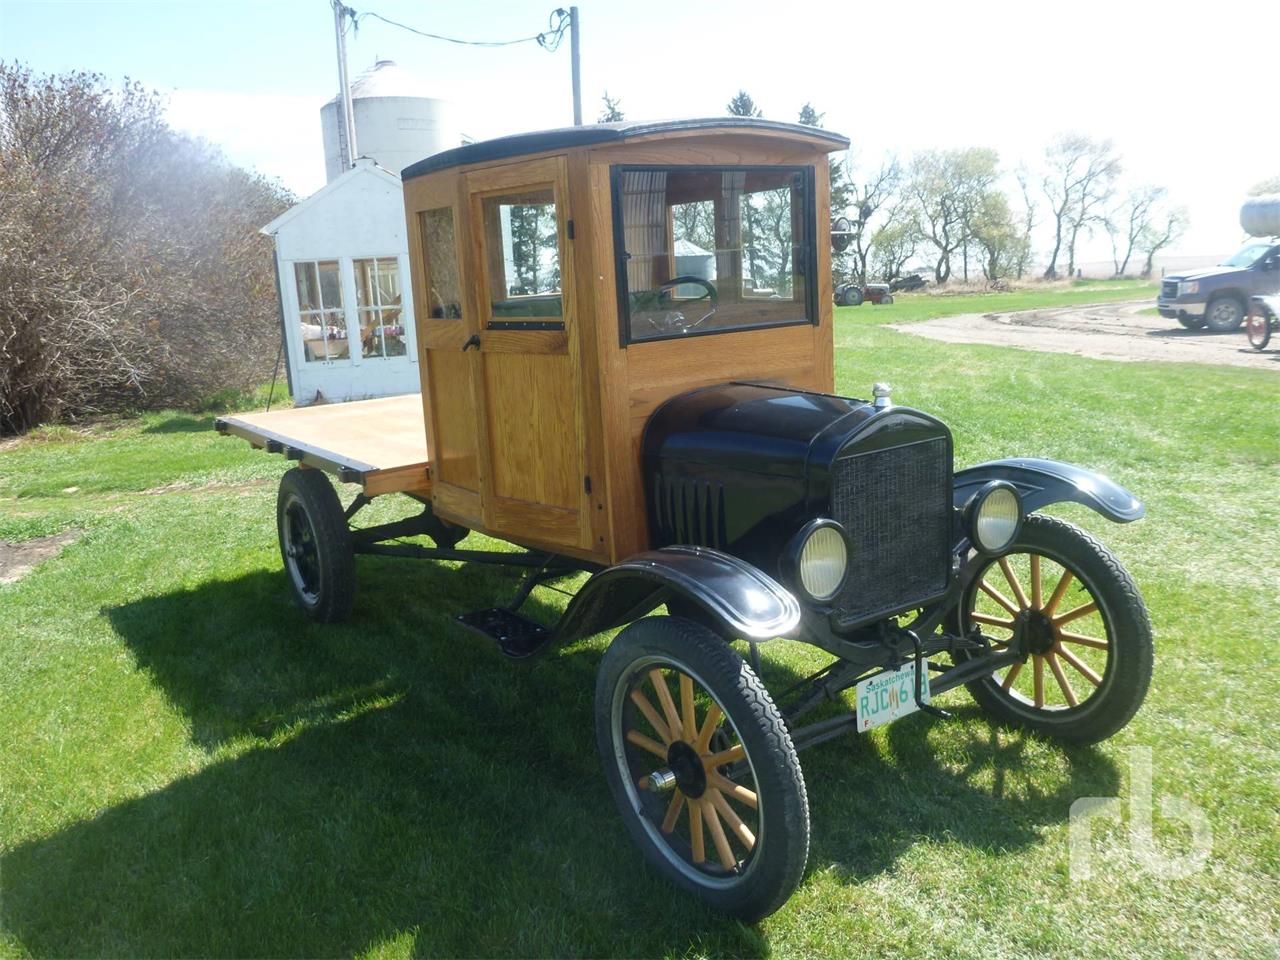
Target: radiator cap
x=881 y=392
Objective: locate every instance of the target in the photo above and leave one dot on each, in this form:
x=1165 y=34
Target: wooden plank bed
x=380 y=444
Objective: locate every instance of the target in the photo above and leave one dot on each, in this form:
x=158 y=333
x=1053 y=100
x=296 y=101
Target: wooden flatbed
x=380 y=444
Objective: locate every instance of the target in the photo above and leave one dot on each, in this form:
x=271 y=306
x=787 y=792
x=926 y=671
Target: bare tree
x=132 y=274
x=612 y=111
x=1161 y=234
x=1080 y=180
x=1028 y=222
x=869 y=197
x=1130 y=221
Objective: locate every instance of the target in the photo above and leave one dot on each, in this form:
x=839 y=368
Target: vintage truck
x=678 y=438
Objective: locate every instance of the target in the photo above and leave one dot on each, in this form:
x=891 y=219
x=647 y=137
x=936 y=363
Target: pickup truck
x=1218 y=297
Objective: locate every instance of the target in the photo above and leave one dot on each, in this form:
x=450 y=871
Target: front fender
x=743 y=601
x=1042 y=482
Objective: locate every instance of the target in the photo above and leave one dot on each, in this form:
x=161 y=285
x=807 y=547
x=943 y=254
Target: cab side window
x=522 y=251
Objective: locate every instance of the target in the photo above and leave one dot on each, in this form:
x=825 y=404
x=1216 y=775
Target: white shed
x=346 y=301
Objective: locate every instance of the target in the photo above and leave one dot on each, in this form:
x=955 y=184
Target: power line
x=549 y=39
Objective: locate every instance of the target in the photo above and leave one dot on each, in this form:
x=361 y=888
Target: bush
x=132 y=273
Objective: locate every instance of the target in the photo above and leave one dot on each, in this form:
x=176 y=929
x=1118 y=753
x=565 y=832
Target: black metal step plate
x=516 y=636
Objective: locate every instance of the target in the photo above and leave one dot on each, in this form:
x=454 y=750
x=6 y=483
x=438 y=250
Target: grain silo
x=398 y=121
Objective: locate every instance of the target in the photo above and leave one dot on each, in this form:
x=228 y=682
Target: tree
x=892 y=245
x=1161 y=234
x=612 y=111
x=868 y=196
x=1028 y=223
x=998 y=235
x=743 y=106
x=946 y=188
x=1079 y=182
x=132 y=273
x=1130 y=221
x=809 y=116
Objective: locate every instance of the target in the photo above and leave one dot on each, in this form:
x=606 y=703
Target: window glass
x=444 y=289
x=321 y=314
x=712 y=249
x=522 y=244
x=378 y=307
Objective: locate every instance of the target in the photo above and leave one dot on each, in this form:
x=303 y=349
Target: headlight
x=820 y=559
x=1187 y=287
x=995 y=517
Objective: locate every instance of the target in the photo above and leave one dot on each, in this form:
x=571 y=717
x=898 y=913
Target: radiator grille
x=896 y=506
x=1169 y=290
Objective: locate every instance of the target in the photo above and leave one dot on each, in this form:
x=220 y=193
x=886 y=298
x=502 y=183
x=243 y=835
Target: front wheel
x=1258 y=327
x=1066 y=600
x=1224 y=314
x=1191 y=323
x=701 y=766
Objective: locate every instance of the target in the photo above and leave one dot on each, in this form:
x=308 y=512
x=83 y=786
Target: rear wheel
x=1224 y=314
x=1258 y=327
x=701 y=766
x=886 y=299
x=1079 y=616
x=315 y=545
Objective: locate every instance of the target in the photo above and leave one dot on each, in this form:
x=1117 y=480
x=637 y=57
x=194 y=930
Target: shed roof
x=364 y=167
x=521 y=144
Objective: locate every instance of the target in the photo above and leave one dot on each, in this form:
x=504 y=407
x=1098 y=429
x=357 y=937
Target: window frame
x=808 y=246
x=379 y=308
x=303 y=312
x=488 y=320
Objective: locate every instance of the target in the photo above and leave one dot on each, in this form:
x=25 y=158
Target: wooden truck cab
x=537 y=386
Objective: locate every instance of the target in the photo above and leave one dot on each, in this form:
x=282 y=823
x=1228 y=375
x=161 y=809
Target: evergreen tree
x=810 y=117
x=743 y=106
x=612 y=111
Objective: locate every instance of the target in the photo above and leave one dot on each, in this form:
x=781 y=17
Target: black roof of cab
x=521 y=144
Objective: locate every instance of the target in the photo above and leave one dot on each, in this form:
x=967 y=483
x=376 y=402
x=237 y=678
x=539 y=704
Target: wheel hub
x=1037 y=632
x=685 y=763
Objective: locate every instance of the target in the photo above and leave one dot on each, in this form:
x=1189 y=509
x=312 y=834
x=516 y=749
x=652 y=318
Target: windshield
x=1247 y=255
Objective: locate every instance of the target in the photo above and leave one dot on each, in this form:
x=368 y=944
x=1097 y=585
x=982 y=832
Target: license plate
x=888 y=696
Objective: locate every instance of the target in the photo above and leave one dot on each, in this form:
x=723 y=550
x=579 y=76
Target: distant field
x=188 y=768
x=907 y=307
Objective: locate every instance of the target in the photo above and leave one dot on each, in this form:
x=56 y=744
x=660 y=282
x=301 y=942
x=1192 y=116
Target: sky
x=1169 y=83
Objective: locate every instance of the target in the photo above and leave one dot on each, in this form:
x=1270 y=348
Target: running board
x=517 y=637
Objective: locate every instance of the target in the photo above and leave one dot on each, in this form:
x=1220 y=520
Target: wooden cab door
x=446 y=322
x=529 y=380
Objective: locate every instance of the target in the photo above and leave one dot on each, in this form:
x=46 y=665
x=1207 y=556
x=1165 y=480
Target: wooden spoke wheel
x=1063 y=599
x=315 y=545
x=701 y=766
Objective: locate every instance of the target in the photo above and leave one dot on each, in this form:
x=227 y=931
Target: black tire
x=1121 y=667
x=1191 y=323
x=886 y=299
x=762 y=874
x=853 y=297
x=1258 y=327
x=315 y=546
x=1224 y=314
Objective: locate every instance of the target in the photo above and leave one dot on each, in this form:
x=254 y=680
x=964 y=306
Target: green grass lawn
x=187 y=767
x=909 y=307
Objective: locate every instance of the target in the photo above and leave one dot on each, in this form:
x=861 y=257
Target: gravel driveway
x=1112 y=331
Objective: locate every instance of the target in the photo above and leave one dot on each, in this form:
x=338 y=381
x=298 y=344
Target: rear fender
x=741 y=600
x=1042 y=482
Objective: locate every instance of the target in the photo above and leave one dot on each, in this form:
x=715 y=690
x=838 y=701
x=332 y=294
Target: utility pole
x=348 y=117
x=577 y=73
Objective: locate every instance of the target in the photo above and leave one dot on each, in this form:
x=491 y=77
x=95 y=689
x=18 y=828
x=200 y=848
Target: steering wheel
x=674 y=321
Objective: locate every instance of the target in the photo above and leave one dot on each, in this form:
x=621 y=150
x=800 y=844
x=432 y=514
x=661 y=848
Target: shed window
x=321 y=314
x=378 y=305
x=522 y=249
x=710 y=249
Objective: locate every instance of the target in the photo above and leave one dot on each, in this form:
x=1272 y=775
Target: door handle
x=474 y=341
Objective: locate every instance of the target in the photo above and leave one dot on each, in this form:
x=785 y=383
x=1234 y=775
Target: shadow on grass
x=182 y=423
x=394 y=779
